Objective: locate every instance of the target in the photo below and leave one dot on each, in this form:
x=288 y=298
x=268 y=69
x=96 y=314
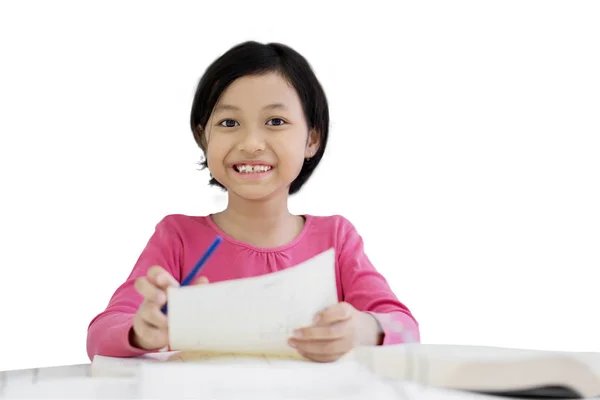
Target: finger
x=338 y=312
x=152 y=315
x=161 y=277
x=337 y=330
x=322 y=358
x=151 y=337
x=149 y=291
x=201 y=280
x=321 y=349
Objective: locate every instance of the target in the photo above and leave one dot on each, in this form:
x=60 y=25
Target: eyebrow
x=229 y=107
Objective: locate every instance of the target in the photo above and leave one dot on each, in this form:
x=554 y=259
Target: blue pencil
x=188 y=279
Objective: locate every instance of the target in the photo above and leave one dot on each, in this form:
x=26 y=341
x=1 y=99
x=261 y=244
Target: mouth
x=252 y=169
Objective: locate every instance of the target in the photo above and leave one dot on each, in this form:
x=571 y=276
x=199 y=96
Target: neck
x=264 y=223
x=250 y=214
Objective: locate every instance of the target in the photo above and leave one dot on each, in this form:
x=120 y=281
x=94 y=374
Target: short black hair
x=253 y=58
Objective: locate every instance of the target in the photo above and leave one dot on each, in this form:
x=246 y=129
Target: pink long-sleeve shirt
x=179 y=241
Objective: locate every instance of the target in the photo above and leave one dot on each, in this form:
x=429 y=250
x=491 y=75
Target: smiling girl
x=261 y=119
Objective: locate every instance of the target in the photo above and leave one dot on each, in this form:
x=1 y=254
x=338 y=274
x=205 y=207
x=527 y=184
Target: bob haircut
x=253 y=58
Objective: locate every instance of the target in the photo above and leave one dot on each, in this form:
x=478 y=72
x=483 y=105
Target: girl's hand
x=336 y=331
x=149 y=323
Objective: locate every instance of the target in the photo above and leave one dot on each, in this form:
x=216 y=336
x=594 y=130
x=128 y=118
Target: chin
x=256 y=193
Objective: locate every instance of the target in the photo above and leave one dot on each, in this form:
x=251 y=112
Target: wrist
x=134 y=340
x=371 y=330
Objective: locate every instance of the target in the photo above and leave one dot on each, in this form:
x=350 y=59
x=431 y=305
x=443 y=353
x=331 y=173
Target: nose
x=252 y=141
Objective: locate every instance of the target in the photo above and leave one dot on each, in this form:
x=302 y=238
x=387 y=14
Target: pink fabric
x=179 y=241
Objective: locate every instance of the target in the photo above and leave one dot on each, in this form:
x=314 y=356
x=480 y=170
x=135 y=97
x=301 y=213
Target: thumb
x=201 y=280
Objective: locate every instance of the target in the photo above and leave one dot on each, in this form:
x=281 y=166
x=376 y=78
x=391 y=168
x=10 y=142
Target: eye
x=276 y=122
x=228 y=123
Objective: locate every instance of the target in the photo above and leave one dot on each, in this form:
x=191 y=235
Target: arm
x=108 y=332
x=368 y=291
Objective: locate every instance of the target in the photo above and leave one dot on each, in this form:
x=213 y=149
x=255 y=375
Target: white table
x=48 y=383
x=35 y=375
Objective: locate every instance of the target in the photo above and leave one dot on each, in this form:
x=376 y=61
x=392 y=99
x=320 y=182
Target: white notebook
x=492 y=370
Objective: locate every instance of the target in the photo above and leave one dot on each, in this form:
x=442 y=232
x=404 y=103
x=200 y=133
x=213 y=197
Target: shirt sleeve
x=368 y=291
x=108 y=332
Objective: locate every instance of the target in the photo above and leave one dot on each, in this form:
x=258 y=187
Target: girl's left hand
x=336 y=331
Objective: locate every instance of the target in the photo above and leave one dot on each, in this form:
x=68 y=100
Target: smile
x=251 y=169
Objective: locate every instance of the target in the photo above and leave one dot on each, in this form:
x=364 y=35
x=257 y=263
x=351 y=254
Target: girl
x=261 y=119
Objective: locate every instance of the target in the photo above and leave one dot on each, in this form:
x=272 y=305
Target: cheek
x=291 y=159
x=292 y=143
x=215 y=154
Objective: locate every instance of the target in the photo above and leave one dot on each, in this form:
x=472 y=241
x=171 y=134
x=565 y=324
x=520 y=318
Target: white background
x=464 y=146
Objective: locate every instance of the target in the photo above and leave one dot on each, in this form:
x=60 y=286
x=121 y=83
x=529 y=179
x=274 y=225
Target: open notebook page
x=486 y=369
x=590 y=359
x=425 y=363
x=254 y=315
x=409 y=360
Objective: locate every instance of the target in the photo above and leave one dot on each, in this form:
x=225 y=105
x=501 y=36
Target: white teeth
x=252 y=168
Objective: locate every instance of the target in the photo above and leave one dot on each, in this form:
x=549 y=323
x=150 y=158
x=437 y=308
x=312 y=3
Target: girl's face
x=257 y=137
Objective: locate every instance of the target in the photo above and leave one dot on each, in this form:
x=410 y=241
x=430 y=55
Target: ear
x=200 y=137
x=312 y=144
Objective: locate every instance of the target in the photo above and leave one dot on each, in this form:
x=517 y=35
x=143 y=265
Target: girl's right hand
x=150 y=325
